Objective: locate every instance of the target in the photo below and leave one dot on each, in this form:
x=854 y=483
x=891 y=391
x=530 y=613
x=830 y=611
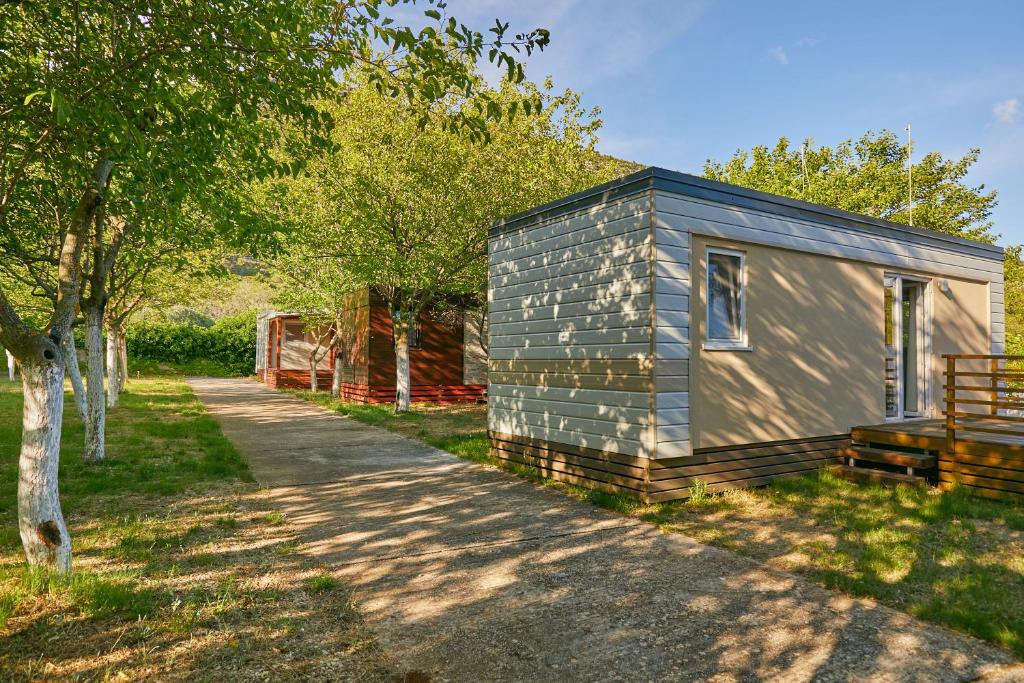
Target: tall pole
x=803 y=165
x=910 y=174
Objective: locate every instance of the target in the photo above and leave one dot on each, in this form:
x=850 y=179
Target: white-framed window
x=726 y=288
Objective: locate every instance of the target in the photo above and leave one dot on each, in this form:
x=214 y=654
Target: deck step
x=922 y=461
x=864 y=474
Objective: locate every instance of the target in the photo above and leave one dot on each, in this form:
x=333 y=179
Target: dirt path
x=467 y=573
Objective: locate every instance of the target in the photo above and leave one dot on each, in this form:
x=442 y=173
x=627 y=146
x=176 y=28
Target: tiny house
x=447 y=359
x=664 y=329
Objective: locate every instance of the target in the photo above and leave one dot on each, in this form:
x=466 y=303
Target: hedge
x=230 y=342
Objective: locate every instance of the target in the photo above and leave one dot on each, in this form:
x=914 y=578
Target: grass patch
x=178 y=572
x=321 y=583
x=950 y=558
x=274 y=518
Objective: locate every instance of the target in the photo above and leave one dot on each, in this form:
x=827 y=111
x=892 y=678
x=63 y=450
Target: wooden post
x=278 y=342
x=994 y=368
x=950 y=407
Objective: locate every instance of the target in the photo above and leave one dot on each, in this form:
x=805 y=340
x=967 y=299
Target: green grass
x=160 y=442
x=176 y=552
x=950 y=558
x=321 y=583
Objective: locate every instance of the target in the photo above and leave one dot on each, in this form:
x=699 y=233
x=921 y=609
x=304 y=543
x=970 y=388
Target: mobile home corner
x=664 y=329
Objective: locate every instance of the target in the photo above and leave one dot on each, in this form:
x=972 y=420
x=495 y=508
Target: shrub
x=230 y=342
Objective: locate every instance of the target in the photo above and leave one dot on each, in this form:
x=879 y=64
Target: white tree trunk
x=122 y=352
x=96 y=415
x=313 y=364
x=11 y=365
x=336 y=379
x=401 y=329
x=113 y=368
x=75 y=373
x=43 y=532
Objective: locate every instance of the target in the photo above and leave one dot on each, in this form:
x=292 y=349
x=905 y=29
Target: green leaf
x=32 y=95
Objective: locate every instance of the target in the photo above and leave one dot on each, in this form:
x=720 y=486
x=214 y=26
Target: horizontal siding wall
x=570 y=333
x=996 y=292
x=672 y=338
x=686 y=214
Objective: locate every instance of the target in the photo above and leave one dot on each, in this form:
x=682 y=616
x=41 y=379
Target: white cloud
x=807 y=42
x=592 y=40
x=1007 y=111
x=778 y=53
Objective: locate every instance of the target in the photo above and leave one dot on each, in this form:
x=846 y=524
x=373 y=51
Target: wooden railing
x=984 y=411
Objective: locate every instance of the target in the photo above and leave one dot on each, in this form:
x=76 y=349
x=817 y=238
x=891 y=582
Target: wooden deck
x=991 y=464
x=931 y=434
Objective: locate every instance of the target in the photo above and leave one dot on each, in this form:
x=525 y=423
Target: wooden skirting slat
x=577 y=471
x=720 y=469
x=738 y=475
x=593 y=453
x=546 y=454
x=678 y=494
x=699 y=470
x=983 y=482
x=1000 y=450
x=746 y=451
x=573 y=464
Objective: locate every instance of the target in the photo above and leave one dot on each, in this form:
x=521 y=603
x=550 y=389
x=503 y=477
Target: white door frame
x=923 y=341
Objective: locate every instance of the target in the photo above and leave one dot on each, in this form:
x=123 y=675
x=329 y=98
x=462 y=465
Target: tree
x=404 y=205
x=317 y=288
x=104 y=103
x=869 y=176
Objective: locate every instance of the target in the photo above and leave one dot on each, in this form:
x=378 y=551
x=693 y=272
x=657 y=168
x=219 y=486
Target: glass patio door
x=905 y=347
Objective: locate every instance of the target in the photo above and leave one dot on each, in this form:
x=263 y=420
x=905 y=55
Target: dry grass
x=183 y=568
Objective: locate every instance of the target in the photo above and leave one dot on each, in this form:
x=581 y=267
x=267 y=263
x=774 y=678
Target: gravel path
x=467 y=573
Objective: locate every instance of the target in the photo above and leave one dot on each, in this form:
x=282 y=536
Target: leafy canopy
x=869 y=176
x=405 y=208
x=177 y=95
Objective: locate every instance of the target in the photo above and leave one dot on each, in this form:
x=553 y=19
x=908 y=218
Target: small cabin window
x=726 y=300
x=294 y=334
x=415 y=335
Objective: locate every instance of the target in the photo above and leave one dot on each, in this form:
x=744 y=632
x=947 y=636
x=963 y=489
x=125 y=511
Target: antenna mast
x=910 y=174
x=803 y=165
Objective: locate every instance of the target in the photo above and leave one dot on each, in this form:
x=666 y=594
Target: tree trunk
x=11 y=365
x=43 y=532
x=401 y=331
x=313 y=364
x=75 y=373
x=113 y=368
x=336 y=379
x=96 y=416
x=122 y=353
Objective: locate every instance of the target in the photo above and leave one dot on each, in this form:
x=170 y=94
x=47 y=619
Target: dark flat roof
x=734 y=195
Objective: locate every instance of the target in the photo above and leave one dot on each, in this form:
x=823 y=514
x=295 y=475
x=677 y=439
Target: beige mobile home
x=663 y=329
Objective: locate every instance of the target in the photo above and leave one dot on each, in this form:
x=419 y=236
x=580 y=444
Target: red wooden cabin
x=446 y=360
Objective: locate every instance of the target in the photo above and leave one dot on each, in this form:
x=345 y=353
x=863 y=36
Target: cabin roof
x=654 y=178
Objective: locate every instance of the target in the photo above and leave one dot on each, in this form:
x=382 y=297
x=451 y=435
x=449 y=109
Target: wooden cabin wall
x=437 y=360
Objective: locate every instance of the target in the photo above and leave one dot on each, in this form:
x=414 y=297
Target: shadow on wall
x=570 y=329
x=816 y=326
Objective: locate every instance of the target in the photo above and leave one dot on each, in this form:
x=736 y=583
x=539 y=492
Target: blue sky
x=681 y=81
